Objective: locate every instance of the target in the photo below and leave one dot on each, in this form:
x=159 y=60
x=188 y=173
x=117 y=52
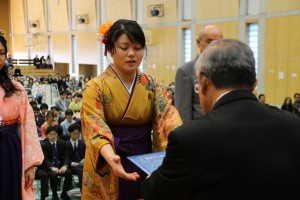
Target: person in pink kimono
x=20 y=150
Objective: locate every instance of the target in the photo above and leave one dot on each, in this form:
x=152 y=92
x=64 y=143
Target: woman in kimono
x=20 y=149
x=121 y=108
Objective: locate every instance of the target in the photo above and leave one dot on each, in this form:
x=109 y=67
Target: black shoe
x=64 y=196
x=55 y=197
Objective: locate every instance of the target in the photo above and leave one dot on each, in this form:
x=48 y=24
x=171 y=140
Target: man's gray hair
x=228 y=63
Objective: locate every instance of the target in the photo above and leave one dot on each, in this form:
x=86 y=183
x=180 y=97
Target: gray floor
x=74 y=194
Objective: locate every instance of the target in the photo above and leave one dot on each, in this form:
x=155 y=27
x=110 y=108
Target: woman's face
x=127 y=56
x=2 y=56
x=288 y=101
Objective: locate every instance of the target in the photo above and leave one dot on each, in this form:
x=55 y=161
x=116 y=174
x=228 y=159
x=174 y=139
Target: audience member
x=287 y=105
x=33 y=103
x=76 y=151
x=186 y=98
x=76 y=104
x=48 y=123
x=57 y=117
x=42 y=116
x=37 y=62
x=20 y=150
x=56 y=162
x=296 y=104
x=36 y=112
x=10 y=62
x=262 y=98
x=62 y=103
x=48 y=64
x=42 y=175
x=240 y=149
x=66 y=123
x=114 y=128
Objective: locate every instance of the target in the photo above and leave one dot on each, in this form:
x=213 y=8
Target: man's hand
x=63 y=169
x=29 y=177
x=74 y=164
x=55 y=169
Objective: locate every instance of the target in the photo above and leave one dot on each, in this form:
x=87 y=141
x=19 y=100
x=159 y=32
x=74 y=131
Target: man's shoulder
x=188 y=66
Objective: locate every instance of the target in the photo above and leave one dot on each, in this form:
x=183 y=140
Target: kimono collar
x=129 y=90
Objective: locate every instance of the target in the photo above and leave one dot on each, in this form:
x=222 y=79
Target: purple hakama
x=11 y=162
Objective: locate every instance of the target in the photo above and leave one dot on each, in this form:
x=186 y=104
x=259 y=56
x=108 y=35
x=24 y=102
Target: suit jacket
x=241 y=150
x=81 y=147
x=59 y=104
x=62 y=150
x=186 y=100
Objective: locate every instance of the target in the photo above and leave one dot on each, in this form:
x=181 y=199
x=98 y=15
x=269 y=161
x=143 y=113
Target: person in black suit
x=41 y=118
x=240 y=148
x=76 y=149
x=56 y=162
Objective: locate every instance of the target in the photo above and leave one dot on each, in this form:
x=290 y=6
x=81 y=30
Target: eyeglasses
x=196 y=85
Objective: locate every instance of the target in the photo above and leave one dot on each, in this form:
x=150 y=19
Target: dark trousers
x=43 y=176
x=78 y=171
x=53 y=180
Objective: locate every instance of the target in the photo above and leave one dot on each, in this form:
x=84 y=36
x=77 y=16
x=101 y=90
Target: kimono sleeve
x=32 y=153
x=95 y=130
x=166 y=117
x=31 y=147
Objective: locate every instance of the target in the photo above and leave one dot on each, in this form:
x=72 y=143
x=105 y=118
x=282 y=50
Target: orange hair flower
x=103 y=31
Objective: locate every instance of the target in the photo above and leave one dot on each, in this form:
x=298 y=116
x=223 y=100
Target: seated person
x=66 y=123
x=76 y=151
x=42 y=175
x=49 y=122
x=59 y=118
x=56 y=160
x=76 y=104
x=36 y=112
x=42 y=116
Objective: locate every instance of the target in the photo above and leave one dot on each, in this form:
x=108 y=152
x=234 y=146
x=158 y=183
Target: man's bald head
x=208 y=34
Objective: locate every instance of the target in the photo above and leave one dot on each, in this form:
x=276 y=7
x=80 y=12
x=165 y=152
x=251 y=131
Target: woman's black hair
x=123 y=26
x=5 y=81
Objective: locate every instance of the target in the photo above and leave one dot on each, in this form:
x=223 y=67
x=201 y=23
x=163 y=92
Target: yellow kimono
x=106 y=103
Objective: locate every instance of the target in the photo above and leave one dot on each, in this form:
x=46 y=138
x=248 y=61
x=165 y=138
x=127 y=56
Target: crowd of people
x=221 y=141
x=42 y=63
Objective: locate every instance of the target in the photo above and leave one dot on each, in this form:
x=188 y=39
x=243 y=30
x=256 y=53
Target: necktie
x=55 y=162
x=75 y=146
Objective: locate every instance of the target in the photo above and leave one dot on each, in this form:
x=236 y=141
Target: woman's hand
x=115 y=163
x=29 y=177
x=118 y=169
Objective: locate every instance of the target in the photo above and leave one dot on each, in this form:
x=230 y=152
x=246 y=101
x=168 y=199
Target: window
x=50 y=46
x=252 y=40
x=74 y=53
x=187 y=45
x=104 y=62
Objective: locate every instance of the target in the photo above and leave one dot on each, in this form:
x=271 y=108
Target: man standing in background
x=186 y=99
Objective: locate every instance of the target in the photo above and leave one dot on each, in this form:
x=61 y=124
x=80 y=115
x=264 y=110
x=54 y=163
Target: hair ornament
x=103 y=31
x=1 y=33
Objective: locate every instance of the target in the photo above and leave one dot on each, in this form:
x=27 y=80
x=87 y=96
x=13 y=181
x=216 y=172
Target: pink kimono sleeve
x=32 y=153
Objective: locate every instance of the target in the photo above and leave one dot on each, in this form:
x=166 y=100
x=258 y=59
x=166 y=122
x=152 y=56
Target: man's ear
x=198 y=42
x=254 y=86
x=203 y=82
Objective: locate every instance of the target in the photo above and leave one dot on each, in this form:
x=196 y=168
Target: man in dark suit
x=240 y=148
x=42 y=116
x=186 y=99
x=76 y=149
x=56 y=160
